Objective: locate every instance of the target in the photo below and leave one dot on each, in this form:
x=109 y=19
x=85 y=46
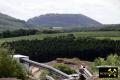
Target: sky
x=104 y=11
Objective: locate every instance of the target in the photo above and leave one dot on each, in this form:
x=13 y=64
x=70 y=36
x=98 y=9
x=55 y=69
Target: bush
x=64 y=68
x=9 y=67
x=111 y=60
x=43 y=74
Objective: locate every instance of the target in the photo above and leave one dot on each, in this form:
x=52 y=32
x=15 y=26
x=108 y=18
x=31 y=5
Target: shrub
x=64 y=68
x=9 y=67
x=43 y=74
x=111 y=60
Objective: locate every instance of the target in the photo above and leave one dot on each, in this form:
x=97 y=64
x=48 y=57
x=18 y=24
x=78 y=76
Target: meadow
x=114 y=35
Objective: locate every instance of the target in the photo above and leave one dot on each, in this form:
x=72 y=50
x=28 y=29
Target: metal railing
x=30 y=62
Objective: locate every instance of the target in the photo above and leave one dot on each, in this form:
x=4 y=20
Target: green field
x=115 y=35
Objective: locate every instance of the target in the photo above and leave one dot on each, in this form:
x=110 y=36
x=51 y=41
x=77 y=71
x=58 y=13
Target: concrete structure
x=82 y=72
x=19 y=57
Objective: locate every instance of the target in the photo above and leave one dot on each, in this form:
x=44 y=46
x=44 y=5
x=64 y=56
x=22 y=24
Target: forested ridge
x=64 y=46
x=9 y=23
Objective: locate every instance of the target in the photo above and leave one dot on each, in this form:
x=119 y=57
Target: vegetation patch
x=111 y=60
x=64 y=47
x=10 y=68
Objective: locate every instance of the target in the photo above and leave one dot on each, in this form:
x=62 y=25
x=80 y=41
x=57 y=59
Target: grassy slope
x=115 y=35
x=10 y=23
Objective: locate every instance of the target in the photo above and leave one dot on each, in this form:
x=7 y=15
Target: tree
x=9 y=67
x=71 y=36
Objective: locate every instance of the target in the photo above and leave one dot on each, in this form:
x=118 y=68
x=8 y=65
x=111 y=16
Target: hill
x=63 y=20
x=10 y=23
x=68 y=22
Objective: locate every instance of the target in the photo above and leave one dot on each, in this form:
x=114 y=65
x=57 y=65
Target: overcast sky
x=104 y=11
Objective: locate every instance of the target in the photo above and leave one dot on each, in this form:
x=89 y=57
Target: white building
x=57 y=28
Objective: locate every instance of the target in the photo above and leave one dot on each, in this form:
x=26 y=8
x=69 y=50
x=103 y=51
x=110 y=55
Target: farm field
x=115 y=35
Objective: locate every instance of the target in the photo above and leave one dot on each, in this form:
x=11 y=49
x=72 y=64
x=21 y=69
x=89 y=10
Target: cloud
x=105 y=11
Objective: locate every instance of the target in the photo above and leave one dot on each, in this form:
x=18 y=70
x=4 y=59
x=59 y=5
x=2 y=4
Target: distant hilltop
x=48 y=20
x=64 y=20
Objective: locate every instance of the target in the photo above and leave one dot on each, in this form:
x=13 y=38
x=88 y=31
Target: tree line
x=25 y=32
x=17 y=33
x=64 y=46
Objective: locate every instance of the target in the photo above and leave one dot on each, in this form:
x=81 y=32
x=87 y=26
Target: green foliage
x=16 y=33
x=111 y=60
x=114 y=35
x=9 y=67
x=64 y=68
x=51 y=48
x=71 y=36
x=43 y=74
x=98 y=62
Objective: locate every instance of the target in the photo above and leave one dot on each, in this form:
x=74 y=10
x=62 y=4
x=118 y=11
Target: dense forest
x=17 y=33
x=64 y=46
